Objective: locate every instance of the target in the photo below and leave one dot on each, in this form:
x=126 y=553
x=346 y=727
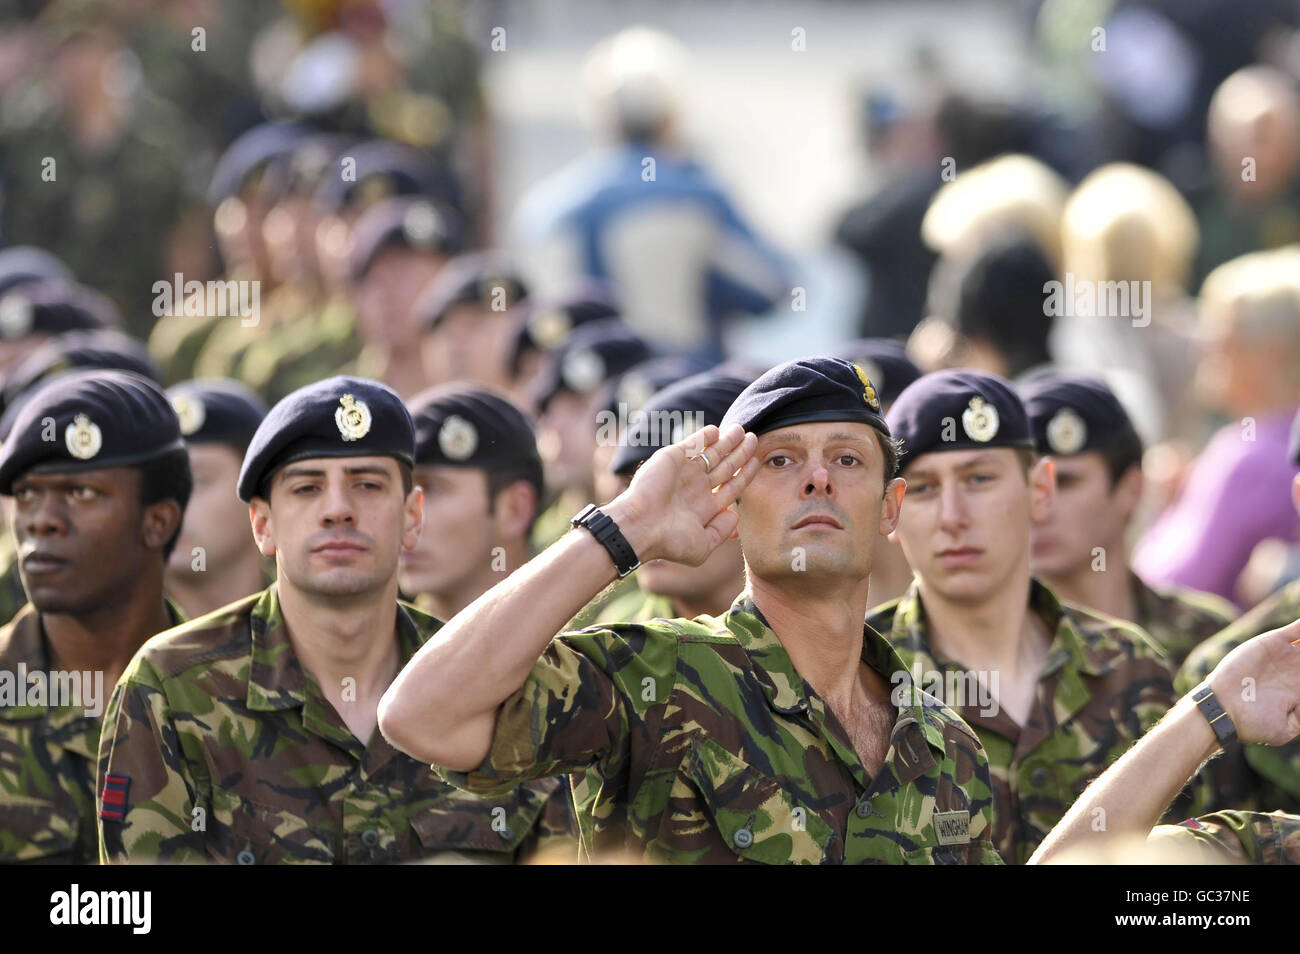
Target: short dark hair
x=499 y=479
x=167 y=478
x=1120 y=452
x=891 y=449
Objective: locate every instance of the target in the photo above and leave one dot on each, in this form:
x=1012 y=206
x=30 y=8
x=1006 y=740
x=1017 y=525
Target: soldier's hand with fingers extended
x=678 y=505
x=1258 y=685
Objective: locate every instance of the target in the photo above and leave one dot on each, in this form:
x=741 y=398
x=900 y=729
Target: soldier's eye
x=82 y=492
x=778 y=460
x=848 y=460
x=916 y=488
x=303 y=489
x=24 y=494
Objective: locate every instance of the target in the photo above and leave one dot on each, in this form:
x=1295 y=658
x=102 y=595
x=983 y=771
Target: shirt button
x=245 y=857
x=743 y=838
x=370 y=838
x=1039 y=777
x=864 y=808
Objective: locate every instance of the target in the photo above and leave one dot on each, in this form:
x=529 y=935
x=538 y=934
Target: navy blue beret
x=53 y=307
x=217 y=411
x=466 y=426
x=1073 y=413
x=337 y=417
x=807 y=391
x=406 y=221
x=674 y=412
x=638 y=383
x=20 y=264
x=252 y=151
x=886 y=363
x=382 y=168
x=89 y=420
x=958 y=410
x=592 y=355
x=548 y=323
x=101 y=348
x=486 y=279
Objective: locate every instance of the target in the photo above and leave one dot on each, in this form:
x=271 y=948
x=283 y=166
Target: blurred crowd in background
x=342 y=158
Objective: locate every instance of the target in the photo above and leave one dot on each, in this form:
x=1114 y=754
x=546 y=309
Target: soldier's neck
x=1107 y=591
x=348 y=644
x=105 y=639
x=200 y=593
x=821 y=630
x=996 y=632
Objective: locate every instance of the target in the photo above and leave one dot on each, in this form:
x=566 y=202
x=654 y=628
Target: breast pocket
x=463 y=828
x=249 y=832
x=756 y=817
x=38 y=831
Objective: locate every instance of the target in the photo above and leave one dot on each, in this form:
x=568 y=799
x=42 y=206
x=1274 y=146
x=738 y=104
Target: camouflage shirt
x=711 y=748
x=626 y=605
x=1103 y=684
x=1260 y=777
x=1178 y=618
x=229 y=751
x=47 y=759
x=1244 y=837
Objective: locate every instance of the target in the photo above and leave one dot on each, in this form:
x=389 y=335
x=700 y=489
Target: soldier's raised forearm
x=442 y=706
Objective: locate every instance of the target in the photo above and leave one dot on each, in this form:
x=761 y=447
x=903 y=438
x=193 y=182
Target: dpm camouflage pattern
x=1255 y=838
x=232 y=753
x=1259 y=777
x=1178 y=618
x=702 y=744
x=47 y=761
x=1104 y=683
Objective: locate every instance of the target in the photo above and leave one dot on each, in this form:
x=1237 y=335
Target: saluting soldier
x=99 y=478
x=215 y=561
x=1079 y=546
x=768 y=734
x=248 y=736
x=1055 y=693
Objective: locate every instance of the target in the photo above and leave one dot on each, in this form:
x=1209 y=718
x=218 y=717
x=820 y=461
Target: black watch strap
x=1220 y=721
x=602 y=526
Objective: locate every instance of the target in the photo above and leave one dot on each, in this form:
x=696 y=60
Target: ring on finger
x=708 y=465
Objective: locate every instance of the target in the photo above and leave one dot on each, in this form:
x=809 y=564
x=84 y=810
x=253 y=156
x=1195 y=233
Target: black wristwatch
x=1220 y=721
x=607 y=533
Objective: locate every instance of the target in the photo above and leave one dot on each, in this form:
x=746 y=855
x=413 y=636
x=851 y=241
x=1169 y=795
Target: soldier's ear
x=892 y=505
x=161 y=520
x=259 y=516
x=1042 y=488
x=413 y=519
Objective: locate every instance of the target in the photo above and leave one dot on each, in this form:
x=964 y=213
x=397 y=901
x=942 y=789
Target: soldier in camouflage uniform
x=115 y=481
x=1079 y=547
x=1135 y=792
x=248 y=735
x=1262 y=777
x=1055 y=694
x=718 y=739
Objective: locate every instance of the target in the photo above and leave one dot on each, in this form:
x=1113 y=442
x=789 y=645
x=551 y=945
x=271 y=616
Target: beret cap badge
x=868 y=392
x=352 y=417
x=550 y=328
x=457 y=438
x=1066 y=432
x=980 y=420
x=83 y=438
x=190 y=411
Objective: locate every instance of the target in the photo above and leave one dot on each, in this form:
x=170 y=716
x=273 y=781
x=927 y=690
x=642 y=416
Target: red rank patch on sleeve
x=113 y=802
x=1192 y=823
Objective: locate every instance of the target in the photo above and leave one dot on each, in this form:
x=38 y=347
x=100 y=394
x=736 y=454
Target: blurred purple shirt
x=1238 y=493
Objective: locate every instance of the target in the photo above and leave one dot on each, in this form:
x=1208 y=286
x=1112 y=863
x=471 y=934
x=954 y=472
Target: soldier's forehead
x=957 y=459
x=321 y=465
x=99 y=475
x=818 y=432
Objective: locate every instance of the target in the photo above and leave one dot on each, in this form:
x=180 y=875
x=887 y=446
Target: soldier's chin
x=342 y=582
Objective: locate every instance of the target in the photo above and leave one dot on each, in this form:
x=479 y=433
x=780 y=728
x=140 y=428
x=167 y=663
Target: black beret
x=481 y=278
x=53 y=307
x=1073 y=413
x=639 y=383
x=20 y=264
x=337 y=417
x=104 y=349
x=465 y=426
x=886 y=363
x=382 y=168
x=807 y=391
x=958 y=410
x=548 y=323
x=672 y=413
x=217 y=411
x=96 y=419
x=252 y=151
x=411 y=222
x=592 y=355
